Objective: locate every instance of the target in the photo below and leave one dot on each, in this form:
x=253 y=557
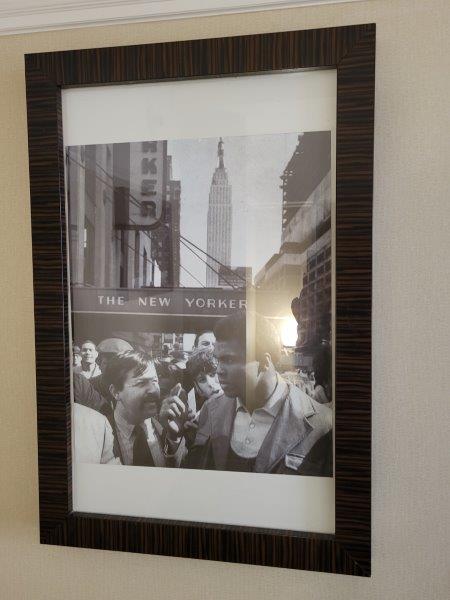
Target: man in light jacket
x=93 y=437
x=261 y=423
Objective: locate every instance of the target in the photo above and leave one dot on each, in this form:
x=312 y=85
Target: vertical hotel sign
x=146 y=184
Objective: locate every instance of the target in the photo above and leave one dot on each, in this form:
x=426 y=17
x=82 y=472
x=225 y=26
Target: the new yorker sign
x=151 y=301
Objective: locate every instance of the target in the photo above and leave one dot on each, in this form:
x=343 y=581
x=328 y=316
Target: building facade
x=301 y=270
x=124 y=215
x=218 y=244
x=235 y=278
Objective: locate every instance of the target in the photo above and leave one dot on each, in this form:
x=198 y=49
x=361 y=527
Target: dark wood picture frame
x=350 y=50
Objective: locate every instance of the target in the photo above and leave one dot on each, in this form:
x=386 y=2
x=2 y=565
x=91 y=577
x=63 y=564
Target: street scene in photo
x=201 y=303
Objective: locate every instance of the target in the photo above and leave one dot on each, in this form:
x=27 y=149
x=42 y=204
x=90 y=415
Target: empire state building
x=219 y=222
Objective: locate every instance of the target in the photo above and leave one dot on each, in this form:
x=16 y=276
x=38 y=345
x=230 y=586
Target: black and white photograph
x=202 y=303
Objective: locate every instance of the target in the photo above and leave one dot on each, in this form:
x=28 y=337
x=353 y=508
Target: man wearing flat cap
x=103 y=401
x=108 y=349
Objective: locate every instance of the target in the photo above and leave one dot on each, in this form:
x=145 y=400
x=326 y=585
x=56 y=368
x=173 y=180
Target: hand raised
x=173 y=412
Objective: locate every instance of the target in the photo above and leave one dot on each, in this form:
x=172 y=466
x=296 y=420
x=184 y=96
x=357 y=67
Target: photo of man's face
x=88 y=353
x=206 y=340
x=140 y=395
x=237 y=377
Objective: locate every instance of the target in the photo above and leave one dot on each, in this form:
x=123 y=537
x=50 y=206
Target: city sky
x=254 y=165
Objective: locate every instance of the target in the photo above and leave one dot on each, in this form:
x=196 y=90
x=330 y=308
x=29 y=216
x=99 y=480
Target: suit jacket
x=89 y=393
x=154 y=455
x=299 y=441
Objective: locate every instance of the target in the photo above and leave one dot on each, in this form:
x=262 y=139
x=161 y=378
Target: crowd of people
x=223 y=407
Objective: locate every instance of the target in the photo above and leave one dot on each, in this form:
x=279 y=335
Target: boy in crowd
x=201 y=371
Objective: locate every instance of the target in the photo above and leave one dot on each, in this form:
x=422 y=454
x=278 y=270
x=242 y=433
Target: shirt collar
x=274 y=402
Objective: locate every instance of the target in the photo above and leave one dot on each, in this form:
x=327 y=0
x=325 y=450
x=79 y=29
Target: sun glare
x=289 y=332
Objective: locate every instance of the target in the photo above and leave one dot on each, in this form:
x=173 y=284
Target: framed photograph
x=202 y=275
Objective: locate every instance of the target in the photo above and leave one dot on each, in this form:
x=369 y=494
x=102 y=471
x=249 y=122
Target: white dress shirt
x=250 y=430
x=126 y=436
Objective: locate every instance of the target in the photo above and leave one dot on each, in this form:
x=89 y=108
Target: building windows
x=315 y=299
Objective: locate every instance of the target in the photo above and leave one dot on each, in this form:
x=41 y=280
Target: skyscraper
x=219 y=221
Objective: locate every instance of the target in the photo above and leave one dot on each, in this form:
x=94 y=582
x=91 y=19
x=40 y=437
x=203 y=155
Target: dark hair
x=199 y=335
x=201 y=361
x=121 y=364
x=169 y=375
x=234 y=328
x=322 y=365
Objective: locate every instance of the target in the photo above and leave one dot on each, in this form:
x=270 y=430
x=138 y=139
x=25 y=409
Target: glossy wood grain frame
x=350 y=50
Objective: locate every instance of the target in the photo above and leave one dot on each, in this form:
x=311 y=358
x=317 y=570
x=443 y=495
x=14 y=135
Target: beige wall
x=411 y=532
